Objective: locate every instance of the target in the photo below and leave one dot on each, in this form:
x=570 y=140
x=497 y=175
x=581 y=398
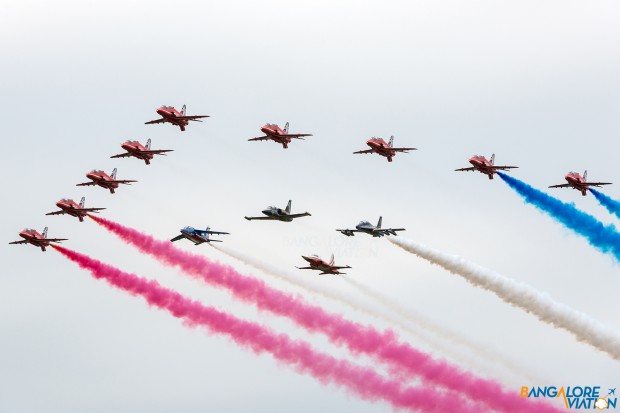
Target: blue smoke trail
x=611 y=205
x=603 y=237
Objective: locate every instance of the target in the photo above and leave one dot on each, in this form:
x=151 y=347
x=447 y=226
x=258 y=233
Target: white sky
x=535 y=82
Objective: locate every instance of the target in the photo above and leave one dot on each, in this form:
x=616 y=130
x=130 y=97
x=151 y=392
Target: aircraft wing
x=392 y=231
x=296 y=135
x=56 y=213
x=336 y=267
x=260 y=138
x=121 y=155
x=19 y=242
x=560 y=186
x=89 y=209
x=192 y=117
x=597 y=183
x=54 y=239
x=502 y=167
x=304 y=268
x=305 y=214
x=156 y=151
x=259 y=218
x=471 y=168
x=178 y=237
x=212 y=232
x=91 y=183
x=122 y=181
x=162 y=120
x=348 y=232
x=365 y=151
x=403 y=149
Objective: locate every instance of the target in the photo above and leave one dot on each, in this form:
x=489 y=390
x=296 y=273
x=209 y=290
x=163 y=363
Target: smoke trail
x=611 y=205
x=406 y=320
x=363 y=381
x=360 y=339
x=485 y=353
x=523 y=296
x=603 y=237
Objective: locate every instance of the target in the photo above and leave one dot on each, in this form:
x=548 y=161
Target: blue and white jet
x=368 y=228
x=198 y=236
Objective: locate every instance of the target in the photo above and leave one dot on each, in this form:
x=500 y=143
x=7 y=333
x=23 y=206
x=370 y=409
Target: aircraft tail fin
x=82 y=202
x=183 y=110
x=286 y=128
x=391 y=142
x=113 y=175
x=585 y=175
x=492 y=159
x=379 y=223
x=288 y=207
x=331 y=261
x=148 y=144
x=44 y=232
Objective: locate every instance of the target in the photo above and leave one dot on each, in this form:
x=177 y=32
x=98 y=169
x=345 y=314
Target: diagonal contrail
x=582 y=326
x=300 y=355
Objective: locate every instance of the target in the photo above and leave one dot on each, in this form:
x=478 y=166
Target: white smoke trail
x=582 y=326
x=414 y=324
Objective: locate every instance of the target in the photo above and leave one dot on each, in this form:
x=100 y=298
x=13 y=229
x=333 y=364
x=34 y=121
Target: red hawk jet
x=274 y=133
x=171 y=115
x=318 y=264
x=31 y=236
x=482 y=165
x=579 y=182
x=68 y=206
x=137 y=150
x=104 y=180
x=387 y=149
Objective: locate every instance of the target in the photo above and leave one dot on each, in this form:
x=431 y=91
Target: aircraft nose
x=266 y=211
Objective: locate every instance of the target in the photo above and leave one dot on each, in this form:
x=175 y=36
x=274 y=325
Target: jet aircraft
x=319 y=264
x=170 y=115
x=368 y=228
x=487 y=167
x=274 y=133
x=578 y=182
x=31 y=236
x=386 y=149
x=198 y=236
x=137 y=150
x=278 y=214
x=104 y=180
x=68 y=206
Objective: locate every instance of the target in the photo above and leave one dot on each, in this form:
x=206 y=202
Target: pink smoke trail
x=363 y=381
x=360 y=339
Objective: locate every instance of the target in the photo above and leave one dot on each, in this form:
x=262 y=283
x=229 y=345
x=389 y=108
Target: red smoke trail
x=363 y=381
x=360 y=339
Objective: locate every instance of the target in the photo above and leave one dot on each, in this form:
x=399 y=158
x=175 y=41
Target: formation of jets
x=271 y=132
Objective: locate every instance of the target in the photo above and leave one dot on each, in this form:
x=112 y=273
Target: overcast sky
x=534 y=82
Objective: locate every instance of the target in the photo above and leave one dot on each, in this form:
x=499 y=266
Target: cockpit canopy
x=271 y=124
x=167 y=107
x=188 y=229
x=65 y=200
x=364 y=223
x=97 y=171
x=573 y=173
x=28 y=230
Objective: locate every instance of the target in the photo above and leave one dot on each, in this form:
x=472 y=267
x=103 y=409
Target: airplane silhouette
x=612 y=391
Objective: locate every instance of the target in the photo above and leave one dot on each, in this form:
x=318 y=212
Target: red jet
x=136 y=149
x=378 y=145
x=318 y=264
x=274 y=133
x=68 y=206
x=482 y=165
x=104 y=180
x=31 y=236
x=171 y=115
x=579 y=182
